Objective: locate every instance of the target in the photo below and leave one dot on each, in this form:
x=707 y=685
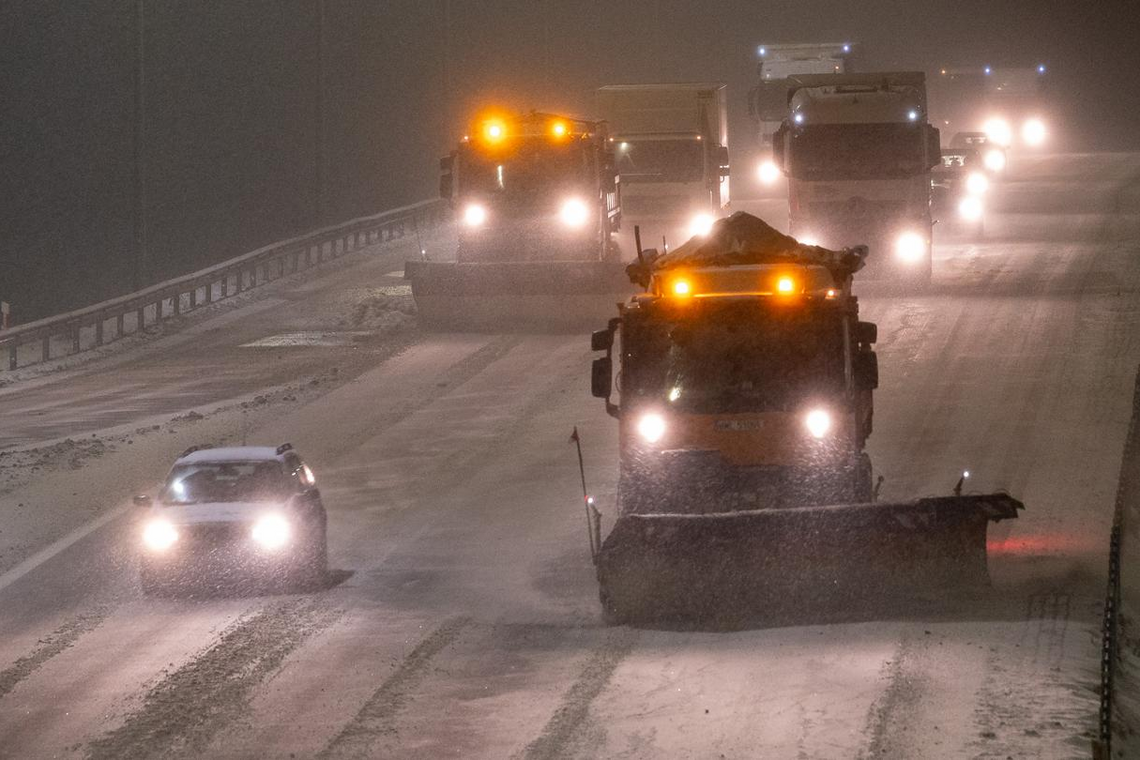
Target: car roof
x=234 y=454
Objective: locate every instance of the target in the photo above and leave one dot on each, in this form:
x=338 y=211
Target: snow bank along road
x=464 y=621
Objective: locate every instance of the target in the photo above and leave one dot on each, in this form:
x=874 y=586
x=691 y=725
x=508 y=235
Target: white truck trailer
x=671 y=148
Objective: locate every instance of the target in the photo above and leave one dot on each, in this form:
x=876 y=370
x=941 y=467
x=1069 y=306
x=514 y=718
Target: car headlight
x=970 y=208
x=994 y=160
x=701 y=224
x=998 y=130
x=818 y=423
x=769 y=172
x=651 y=427
x=271 y=531
x=574 y=213
x=474 y=215
x=1033 y=132
x=977 y=183
x=159 y=535
x=910 y=247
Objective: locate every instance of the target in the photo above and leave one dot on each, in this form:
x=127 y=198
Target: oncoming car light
x=994 y=160
x=910 y=247
x=574 y=212
x=998 y=131
x=970 y=208
x=818 y=423
x=651 y=427
x=271 y=531
x=474 y=215
x=1033 y=132
x=159 y=535
x=769 y=172
x=700 y=224
x=976 y=183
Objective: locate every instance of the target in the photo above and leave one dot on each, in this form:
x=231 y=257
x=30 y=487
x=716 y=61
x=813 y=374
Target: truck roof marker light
x=831 y=293
x=785 y=286
x=943 y=72
x=988 y=70
x=558 y=129
x=846 y=47
x=494 y=131
x=798 y=118
x=763 y=51
x=682 y=288
x=1040 y=68
x=912 y=115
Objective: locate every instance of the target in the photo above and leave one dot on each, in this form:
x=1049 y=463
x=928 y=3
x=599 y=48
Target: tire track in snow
x=886 y=719
x=184 y=710
x=377 y=717
x=55 y=643
x=563 y=726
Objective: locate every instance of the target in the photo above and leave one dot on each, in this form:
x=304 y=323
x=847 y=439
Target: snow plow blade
x=709 y=567
x=516 y=296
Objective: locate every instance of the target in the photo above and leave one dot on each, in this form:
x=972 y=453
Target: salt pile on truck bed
x=746 y=403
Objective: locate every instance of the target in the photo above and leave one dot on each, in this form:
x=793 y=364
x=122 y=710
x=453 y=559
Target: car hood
x=216 y=512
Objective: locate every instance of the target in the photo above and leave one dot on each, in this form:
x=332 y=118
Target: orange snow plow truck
x=746 y=383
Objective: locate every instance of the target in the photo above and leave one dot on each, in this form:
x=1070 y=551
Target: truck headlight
x=994 y=160
x=474 y=215
x=818 y=422
x=1033 y=132
x=271 y=531
x=769 y=172
x=998 y=130
x=651 y=427
x=977 y=183
x=910 y=247
x=574 y=213
x=970 y=208
x=159 y=535
x=700 y=224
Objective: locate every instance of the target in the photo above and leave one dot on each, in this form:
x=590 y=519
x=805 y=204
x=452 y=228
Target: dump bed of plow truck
x=744 y=486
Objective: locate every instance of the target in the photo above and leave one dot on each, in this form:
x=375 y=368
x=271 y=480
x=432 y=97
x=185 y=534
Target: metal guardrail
x=1110 y=633
x=182 y=294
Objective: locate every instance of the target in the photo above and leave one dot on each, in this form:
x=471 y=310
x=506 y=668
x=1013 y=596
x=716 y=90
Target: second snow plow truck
x=536 y=200
x=746 y=381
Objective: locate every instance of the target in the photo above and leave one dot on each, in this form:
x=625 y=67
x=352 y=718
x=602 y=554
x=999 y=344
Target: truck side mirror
x=933 y=146
x=866 y=333
x=601 y=377
x=778 y=147
x=601 y=340
x=445 y=177
x=866 y=370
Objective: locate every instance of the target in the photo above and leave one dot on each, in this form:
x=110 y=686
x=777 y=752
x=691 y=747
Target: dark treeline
x=232 y=90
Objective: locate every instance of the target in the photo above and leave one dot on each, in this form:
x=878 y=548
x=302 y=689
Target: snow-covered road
x=464 y=621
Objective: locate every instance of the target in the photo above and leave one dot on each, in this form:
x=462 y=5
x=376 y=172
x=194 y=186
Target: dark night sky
x=231 y=102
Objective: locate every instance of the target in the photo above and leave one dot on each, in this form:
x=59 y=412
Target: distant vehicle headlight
x=970 y=208
x=977 y=183
x=651 y=427
x=994 y=160
x=998 y=131
x=474 y=215
x=271 y=531
x=769 y=172
x=159 y=535
x=1033 y=132
x=818 y=423
x=910 y=247
x=700 y=224
x=574 y=213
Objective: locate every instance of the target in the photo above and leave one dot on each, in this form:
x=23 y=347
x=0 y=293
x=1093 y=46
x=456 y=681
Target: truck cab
x=858 y=150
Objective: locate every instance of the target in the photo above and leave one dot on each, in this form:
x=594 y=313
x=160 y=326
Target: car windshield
x=857 y=151
x=741 y=364
x=659 y=160
x=220 y=482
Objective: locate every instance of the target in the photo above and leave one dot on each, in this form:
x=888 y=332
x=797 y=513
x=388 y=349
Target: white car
x=233 y=514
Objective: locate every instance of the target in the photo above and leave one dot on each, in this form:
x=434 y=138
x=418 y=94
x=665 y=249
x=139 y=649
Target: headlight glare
x=998 y=131
x=970 y=208
x=574 y=213
x=910 y=247
x=651 y=427
x=977 y=183
x=994 y=160
x=271 y=531
x=474 y=215
x=769 y=172
x=1033 y=132
x=701 y=224
x=159 y=535
x=818 y=423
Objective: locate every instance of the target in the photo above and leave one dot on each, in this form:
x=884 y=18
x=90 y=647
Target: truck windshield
x=535 y=170
x=659 y=160
x=226 y=482
x=725 y=366
x=770 y=100
x=857 y=151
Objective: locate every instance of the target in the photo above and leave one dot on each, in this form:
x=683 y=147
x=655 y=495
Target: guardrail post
x=119 y=326
x=99 y=330
x=12 y=356
x=140 y=318
x=176 y=304
x=45 y=348
x=75 y=338
x=194 y=298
